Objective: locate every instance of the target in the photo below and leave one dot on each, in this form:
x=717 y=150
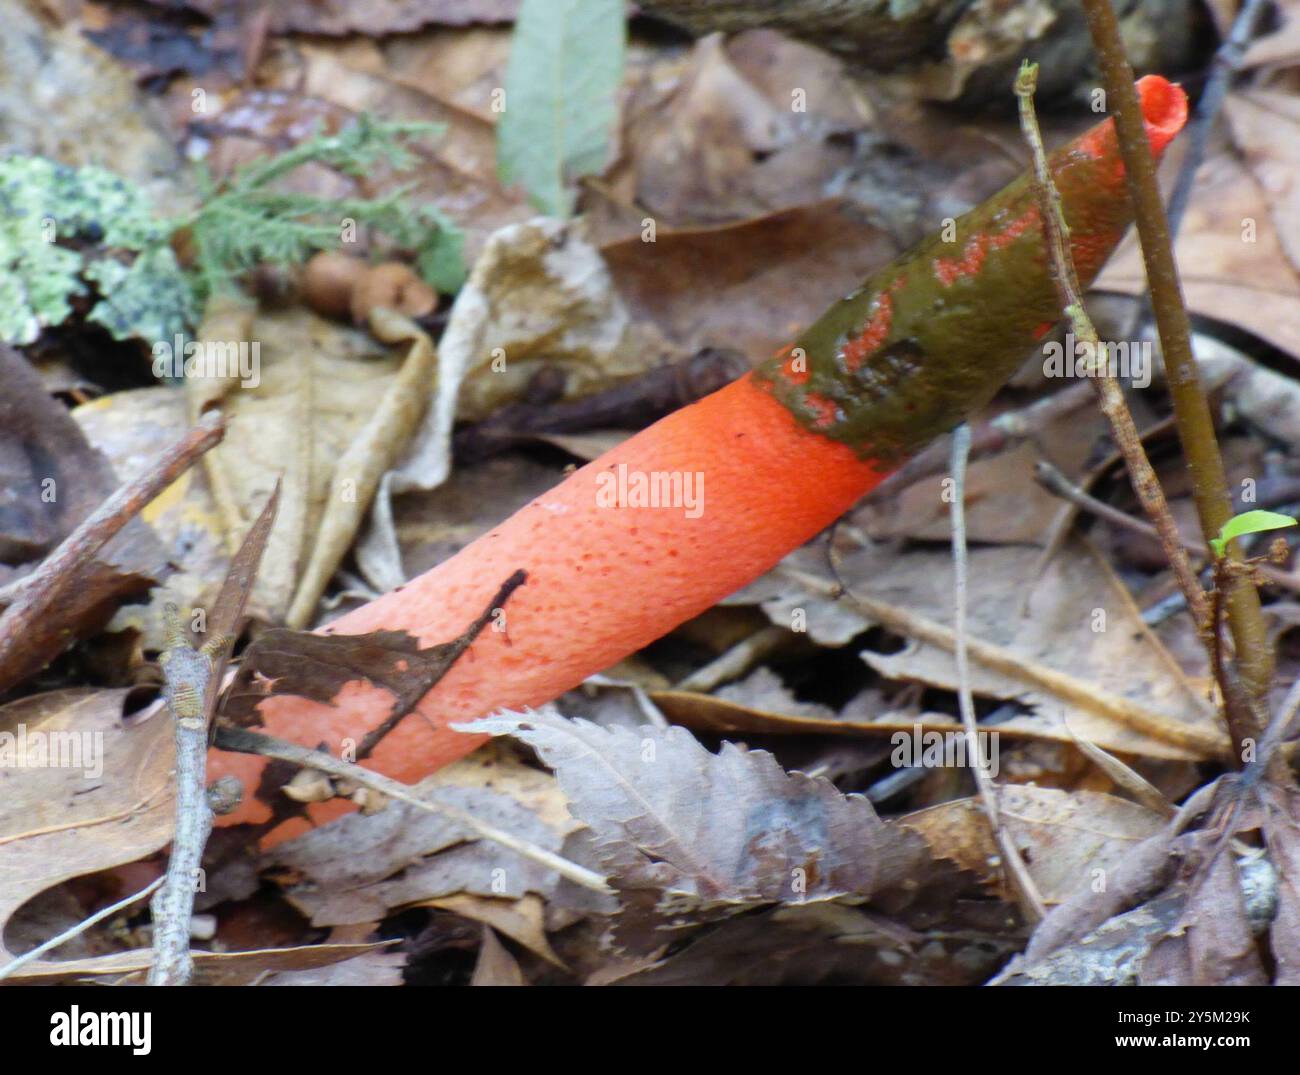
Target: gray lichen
x=64 y=228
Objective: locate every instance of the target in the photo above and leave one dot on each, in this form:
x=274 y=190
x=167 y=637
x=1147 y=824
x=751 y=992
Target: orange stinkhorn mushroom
x=759 y=466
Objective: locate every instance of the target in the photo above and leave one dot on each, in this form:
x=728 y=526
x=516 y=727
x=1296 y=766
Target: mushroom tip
x=1164 y=108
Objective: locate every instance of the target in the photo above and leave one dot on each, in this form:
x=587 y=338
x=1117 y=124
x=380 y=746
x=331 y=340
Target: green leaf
x=441 y=261
x=1248 y=522
x=566 y=64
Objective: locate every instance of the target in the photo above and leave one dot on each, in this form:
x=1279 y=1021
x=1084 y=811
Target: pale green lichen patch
x=62 y=228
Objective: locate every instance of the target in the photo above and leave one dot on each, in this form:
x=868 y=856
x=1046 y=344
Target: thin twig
x=37 y=596
x=248 y=742
x=376 y=734
x=1124 y=776
x=991 y=437
x=1055 y=482
x=1273 y=736
x=191 y=693
x=1238 y=701
x=77 y=930
x=1058 y=530
x=736 y=661
x=1245 y=714
x=1191 y=408
x=191 y=679
x=1031 y=903
x=1113 y=406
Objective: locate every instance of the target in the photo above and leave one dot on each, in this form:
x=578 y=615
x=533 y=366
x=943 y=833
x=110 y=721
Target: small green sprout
x=1248 y=522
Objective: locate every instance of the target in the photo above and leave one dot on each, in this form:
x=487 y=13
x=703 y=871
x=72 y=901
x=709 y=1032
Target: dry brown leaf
x=360 y=868
x=61 y=822
x=541 y=295
x=128 y=427
x=826 y=944
x=669 y=816
x=1114 y=954
x=1266 y=129
x=496 y=966
x=1004 y=504
x=395 y=428
x=685 y=836
x=375 y=968
x=522 y=920
x=1076 y=594
x=435 y=525
x=1067 y=839
x=52 y=479
x=210 y=968
x=751 y=286
x=737 y=140
x=318 y=387
x=1183 y=907
x=1221 y=947
x=1140 y=874
x=1250 y=284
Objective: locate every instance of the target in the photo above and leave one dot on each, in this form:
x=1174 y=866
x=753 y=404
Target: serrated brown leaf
x=734 y=826
x=686 y=836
